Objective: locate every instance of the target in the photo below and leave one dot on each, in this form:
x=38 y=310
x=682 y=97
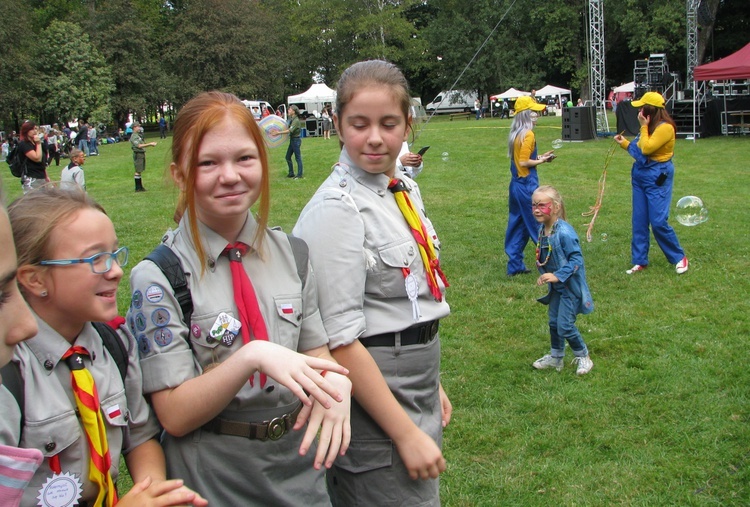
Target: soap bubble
x=604 y=236
x=445 y=156
x=557 y=144
x=691 y=211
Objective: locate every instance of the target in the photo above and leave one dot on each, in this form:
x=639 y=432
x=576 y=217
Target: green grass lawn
x=662 y=419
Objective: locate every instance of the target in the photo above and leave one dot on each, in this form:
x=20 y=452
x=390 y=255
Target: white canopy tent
x=554 y=91
x=510 y=93
x=626 y=88
x=317 y=96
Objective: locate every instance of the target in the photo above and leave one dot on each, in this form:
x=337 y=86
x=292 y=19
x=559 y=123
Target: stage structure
x=597 y=64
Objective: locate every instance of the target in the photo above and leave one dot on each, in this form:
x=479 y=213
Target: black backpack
x=14 y=382
x=16 y=162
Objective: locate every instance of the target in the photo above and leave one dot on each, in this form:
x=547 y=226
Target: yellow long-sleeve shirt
x=522 y=151
x=658 y=146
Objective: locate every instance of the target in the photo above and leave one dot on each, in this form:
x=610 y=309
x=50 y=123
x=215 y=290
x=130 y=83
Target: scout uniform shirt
x=50 y=421
x=225 y=469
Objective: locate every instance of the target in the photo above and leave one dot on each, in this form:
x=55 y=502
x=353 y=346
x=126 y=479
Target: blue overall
x=570 y=295
x=522 y=225
x=651 y=202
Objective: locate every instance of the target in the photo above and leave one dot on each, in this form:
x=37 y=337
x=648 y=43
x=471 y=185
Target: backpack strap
x=301 y=253
x=114 y=346
x=170 y=265
x=13 y=382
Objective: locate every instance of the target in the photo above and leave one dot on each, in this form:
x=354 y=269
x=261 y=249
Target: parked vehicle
x=456 y=101
x=257 y=107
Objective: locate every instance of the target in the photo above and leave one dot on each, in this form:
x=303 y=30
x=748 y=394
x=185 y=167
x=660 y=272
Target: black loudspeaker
x=314 y=127
x=578 y=123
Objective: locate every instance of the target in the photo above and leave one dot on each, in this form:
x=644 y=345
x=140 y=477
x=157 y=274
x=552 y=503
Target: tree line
x=102 y=60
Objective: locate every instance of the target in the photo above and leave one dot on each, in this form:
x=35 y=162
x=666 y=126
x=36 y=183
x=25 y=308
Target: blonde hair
x=193 y=122
x=34 y=216
x=555 y=196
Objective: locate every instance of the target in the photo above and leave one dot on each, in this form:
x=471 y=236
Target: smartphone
x=423 y=150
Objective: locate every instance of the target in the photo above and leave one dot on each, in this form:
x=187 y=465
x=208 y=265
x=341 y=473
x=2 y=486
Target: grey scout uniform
x=139 y=154
x=50 y=421
x=226 y=469
x=359 y=241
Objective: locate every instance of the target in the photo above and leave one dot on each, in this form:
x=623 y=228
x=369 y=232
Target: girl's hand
x=333 y=423
x=643 y=120
x=547 y=278
x=296 y=371
x=619 y=138
x=161 y=494
x=422 y=456
x=446 y=406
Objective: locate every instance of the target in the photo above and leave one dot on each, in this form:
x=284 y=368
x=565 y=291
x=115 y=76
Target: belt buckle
x=276 y=428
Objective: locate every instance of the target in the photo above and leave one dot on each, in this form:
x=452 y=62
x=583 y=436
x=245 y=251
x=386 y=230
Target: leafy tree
x=16 y=39
x=72 y=80
x=227 y=45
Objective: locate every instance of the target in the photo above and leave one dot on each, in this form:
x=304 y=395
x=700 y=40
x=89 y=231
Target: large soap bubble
x=445 y=156
x=557 y=144
x=690 y=211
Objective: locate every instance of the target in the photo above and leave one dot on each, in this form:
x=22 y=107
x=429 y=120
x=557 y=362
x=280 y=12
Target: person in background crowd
x=30 y=148
x=139 y=154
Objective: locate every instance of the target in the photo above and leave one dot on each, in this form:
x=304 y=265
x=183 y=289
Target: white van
x=257 y=106
x=456 y=101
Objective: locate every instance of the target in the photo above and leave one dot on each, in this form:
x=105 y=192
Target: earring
x=43 y=293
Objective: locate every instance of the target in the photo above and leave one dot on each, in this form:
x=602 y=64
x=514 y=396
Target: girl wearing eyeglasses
x=69 y=268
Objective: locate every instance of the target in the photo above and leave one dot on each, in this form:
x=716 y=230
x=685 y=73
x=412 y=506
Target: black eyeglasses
x=100 y=263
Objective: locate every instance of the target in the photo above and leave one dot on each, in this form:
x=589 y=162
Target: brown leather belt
x=266 y=430
x=420 y=334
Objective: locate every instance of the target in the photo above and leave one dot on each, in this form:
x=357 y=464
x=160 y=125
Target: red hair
x=26 y=127
x=202 y=113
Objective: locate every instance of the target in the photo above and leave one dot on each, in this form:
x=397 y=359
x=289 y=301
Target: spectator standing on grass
x=32 y=155
x=162 y=127
x=82 y=138
x=560 y=263
x=53 y=146
x=295 y=142
x=522 y=151
x=72 y=174
x=381 y=297
x=652 y=177
x=139 y=154
x=93 y=141
x=256 y=337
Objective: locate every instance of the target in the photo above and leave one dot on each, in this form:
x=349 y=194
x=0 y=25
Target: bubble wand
x=593 y=211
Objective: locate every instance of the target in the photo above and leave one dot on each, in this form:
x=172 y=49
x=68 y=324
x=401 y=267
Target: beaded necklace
x=539 y=246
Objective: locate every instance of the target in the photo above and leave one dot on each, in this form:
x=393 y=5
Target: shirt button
x=211 y=264
x=48 y=365
x=342 y=183
x=269 y=389
x=381 y=192
x=50 y=446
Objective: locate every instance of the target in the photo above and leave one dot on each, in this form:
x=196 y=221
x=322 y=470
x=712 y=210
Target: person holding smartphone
x=410 y=163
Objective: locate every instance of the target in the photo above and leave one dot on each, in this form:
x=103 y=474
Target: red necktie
x=89 y=410
x=245 y=299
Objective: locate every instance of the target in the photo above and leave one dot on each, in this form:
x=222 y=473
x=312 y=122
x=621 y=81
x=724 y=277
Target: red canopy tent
x=734 y=66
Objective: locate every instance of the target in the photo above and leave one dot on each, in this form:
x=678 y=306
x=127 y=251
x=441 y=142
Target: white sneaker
x=548 y=362
x=635 y=269
x=682 y=266
x=584 y=365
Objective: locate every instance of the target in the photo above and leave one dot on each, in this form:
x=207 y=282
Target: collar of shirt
x=377 y=183
x=49 y=345
x=213 y=242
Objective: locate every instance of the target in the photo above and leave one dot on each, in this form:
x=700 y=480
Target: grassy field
x=663 y=417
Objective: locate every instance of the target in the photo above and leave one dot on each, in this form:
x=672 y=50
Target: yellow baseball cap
x=526 y=102
x=650 y=98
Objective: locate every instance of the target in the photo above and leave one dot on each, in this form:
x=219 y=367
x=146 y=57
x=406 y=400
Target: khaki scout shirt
x=289 y=310
x=50 y=420
x=359 y=242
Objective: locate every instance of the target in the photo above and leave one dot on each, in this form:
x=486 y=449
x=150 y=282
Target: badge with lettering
x=154 y=293
x=225 y=329
x=60 y=490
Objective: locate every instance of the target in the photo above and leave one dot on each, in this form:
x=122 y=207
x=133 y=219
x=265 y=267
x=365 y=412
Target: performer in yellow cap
x=652 y=177
x=522 y=225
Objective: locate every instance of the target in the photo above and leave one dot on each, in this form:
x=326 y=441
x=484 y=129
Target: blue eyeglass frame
x=91 y=260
